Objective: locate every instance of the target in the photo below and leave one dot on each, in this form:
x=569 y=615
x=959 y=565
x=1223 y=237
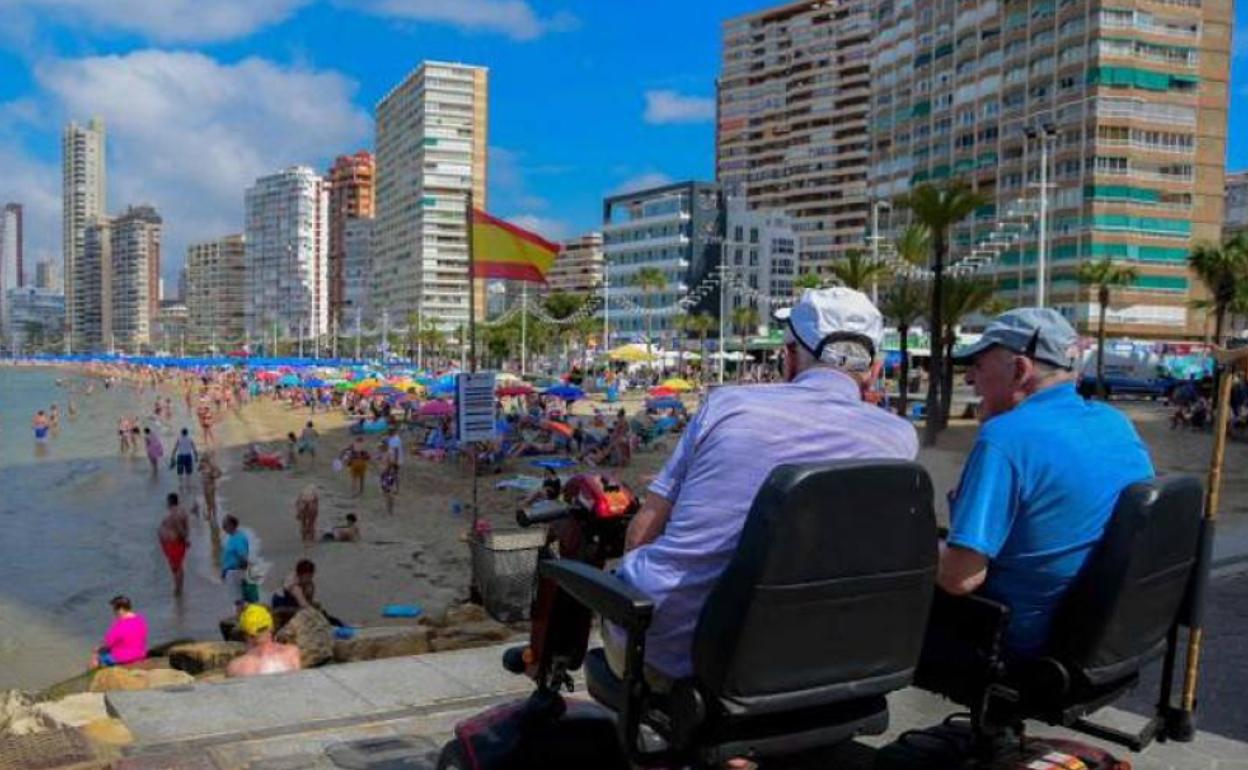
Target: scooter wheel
x=453 y=757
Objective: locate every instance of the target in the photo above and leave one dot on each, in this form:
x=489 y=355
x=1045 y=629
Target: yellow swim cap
x=255 y=620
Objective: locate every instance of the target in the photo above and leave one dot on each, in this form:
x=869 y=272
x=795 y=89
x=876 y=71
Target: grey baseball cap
x=1038 y=332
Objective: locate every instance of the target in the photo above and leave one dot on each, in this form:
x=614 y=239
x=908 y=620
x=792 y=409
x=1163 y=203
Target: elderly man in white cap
x=687 y=530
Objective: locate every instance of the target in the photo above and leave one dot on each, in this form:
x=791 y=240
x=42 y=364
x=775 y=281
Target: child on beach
x=307 y=441
x=344 y=533
x=356 y=458
x=307 y=507
x=292 y=449
x=126 y=640
x=389 y=479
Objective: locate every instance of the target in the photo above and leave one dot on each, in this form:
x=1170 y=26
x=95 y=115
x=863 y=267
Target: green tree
x=745 y=321
x=1105 y=276
x=806 y=281
x=904 y=303
x=962 y=297
x=561 y=305
x=914 y=245
x=856 y=270
x=1221 y=269
x=650 y=279
x=939 y=209
x=701 y=324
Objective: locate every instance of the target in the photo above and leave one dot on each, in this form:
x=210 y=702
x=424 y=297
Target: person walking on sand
x=208 y=475
x=307 y=508
x=175 y=539
x=394 y=450
x=155 y=450
x=184 y=456
x=307 y=441
x=356 y=458
x=389 y=479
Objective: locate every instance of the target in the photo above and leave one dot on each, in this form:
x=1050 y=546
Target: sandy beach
x=417 y=556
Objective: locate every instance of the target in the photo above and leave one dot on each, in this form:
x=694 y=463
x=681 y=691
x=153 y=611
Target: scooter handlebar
x=542 y=513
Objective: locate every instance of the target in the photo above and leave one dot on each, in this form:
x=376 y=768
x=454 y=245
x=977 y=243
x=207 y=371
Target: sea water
x=78 y=526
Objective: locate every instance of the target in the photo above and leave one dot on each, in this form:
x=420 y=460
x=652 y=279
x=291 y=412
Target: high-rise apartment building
x=431 y=153
x=47 y=275
x=11 y=276
x=287 y=243
x=677 y=229
x=578 y=267
x=357 y=271
x=91 y=305
x=216 y=281
x=33 y=319
x=1235 y=221
x=1125 y=99
x=135 y=292
x=82 y=199
x=351 y=197
x=792 y=134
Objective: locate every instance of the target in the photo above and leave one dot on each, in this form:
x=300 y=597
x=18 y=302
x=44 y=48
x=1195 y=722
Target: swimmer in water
x=40 y=425
x=72 y=408
x=54 y=418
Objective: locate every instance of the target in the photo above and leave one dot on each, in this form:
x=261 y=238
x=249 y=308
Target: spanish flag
x=502 y=250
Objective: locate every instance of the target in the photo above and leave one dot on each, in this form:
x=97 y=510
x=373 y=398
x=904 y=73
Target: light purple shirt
x=722 y=460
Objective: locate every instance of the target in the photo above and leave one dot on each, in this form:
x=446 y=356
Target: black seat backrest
x=827 y=596
x=1117 y=613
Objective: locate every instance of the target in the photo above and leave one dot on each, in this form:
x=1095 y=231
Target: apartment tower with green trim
x=1130 y=97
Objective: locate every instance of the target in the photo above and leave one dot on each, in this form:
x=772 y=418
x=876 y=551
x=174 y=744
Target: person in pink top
x=126 y=640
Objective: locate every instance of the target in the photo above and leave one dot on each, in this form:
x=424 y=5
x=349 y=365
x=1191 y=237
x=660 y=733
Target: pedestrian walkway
x=398 y=713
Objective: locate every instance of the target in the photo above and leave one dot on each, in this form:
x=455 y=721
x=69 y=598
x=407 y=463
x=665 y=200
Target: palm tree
x=963 y=297
x=701 y=324
x=680 y=324
x=1221 y=269
x=939 y=208
x=914 y=245
x=1105 y=276
x=650 y=279
x=744 y=320
x=857 y=271
x=806 y=281
x=905 y=302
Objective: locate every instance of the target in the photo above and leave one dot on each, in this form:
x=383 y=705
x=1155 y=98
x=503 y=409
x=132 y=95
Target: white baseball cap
x=837 y=314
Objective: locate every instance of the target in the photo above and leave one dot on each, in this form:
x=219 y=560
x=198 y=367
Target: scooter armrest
x=601 y=592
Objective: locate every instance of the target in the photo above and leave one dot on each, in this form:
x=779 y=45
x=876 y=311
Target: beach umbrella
x=314 y=382
x=288 y=380
x=344 y=385
x=507 y=378
x=660 y=391
x=565 y=392
x=632 y=353
x=436 y=408
x=677 y=384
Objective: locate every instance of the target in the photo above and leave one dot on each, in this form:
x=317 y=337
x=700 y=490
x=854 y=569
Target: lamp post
x=875 y=246
x=1045 y=134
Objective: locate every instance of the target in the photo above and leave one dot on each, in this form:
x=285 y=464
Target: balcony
x=658 y=219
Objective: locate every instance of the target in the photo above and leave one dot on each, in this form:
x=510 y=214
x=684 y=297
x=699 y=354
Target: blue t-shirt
x=234 y=555
x=1035 y=497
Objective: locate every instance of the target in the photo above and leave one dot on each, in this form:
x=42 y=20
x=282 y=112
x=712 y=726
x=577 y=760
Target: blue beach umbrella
x=565 y=392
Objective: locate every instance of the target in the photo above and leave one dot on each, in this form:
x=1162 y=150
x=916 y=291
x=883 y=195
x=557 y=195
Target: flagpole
x=472 y=291
x=524 y=324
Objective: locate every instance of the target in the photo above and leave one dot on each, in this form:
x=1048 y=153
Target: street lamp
x=875 y=245
x=1045 y=133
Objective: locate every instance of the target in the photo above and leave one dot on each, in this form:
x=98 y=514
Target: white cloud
x=514 y=18
x=189 y=134
x=550 y=229
x=642 y=182
x=165 y=21
x=666 y=106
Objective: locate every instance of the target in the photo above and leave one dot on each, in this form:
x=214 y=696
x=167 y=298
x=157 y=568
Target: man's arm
x=649 y=522
x=961 y=570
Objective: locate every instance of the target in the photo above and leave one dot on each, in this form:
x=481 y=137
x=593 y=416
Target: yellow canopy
x=631 y=353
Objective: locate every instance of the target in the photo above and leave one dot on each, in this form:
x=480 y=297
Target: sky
x=200 y=97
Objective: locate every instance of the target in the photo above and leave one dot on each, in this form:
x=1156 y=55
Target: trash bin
x=504 y=571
